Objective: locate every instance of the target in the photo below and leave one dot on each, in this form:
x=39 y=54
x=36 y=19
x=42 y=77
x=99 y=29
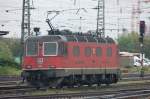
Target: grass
x=8 y=70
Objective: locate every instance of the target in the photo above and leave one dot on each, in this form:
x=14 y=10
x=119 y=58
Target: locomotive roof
x=73 y=38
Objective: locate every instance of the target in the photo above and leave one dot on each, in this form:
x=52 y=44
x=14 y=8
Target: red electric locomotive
x=58 y=60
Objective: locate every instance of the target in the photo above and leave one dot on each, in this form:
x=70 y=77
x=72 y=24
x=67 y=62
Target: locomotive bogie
x=53 y=80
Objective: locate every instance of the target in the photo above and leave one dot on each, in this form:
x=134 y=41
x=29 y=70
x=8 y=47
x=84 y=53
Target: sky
x=117 y=15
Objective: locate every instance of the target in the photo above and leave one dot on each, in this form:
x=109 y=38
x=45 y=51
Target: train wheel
x=59 y=86
x=115 y=78
x=38 y=87
x=99 y=84
x=107 y=84
x=90 y=83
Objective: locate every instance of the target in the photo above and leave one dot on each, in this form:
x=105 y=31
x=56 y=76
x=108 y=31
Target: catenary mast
x=25 y=26
x=100 y=30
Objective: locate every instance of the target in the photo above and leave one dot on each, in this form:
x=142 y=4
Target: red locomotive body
x=58 y=60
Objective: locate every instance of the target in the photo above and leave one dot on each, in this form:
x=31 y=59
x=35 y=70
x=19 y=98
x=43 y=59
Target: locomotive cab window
x=109 y=52
x=31 y=48
x=50 y=48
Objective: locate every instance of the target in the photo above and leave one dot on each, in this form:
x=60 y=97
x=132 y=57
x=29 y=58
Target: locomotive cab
x=38 y=52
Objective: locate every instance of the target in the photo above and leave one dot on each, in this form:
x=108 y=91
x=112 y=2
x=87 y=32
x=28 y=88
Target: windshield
x=31 y=48
x=50 y=48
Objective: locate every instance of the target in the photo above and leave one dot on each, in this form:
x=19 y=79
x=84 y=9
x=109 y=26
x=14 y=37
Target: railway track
x=116 y=94
x=20 y=92
x=136 y=94
x=11 y=90
x=9 y=83
x=9 y=78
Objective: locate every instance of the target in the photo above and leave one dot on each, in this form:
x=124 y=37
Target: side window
x=88 y=51
x=76 y=51
x=98 y=52
x=109 y=52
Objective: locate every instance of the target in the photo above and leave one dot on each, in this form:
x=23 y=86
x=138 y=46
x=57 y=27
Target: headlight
x=40 y=66
x=28 y=66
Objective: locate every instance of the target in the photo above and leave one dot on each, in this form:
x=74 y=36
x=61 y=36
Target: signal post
x=141 y=40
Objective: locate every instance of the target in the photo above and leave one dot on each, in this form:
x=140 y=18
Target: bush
x=7 y=70
x=9 y=63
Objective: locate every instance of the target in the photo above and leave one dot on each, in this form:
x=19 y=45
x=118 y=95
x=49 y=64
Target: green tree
x=147 y=46
x=5 y=52
x=130 y=43
x=13 y=44
x=9 y=50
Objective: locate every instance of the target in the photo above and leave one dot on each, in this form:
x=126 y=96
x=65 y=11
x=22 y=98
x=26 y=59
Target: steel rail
x=19 y=93
x=87 y=95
